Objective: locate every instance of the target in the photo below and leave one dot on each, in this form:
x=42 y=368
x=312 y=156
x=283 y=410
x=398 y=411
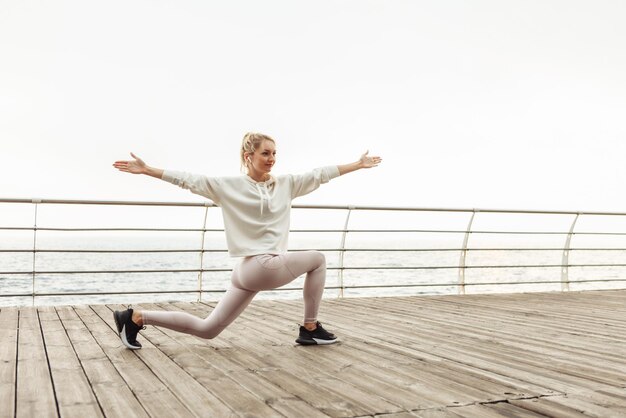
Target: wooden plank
x=280 y=357
x=490 y=319
x=570 y=318
x=478 y=411
x=8 y=360
x=223 y=366
x=408 y=361
x=530 y=376
x=114 y=396
x=35 y=394
x=615 y=399
x=188 y=390
x=496 y=410
x=153 y=395
x=494 y=322
x=506 y=409
x=398 y=332
x=547 y=407
x=398 y=385
x=73 y=392
x=198 y=359
x=276 y=398
x=408 y=392
x=313 y=386
x=396 y=352
x=240 y=366
x=578 y=356
x=579 y=363
x=491 y=386
x=589 y=404
x=470 y=356
x=435 y=413
x=582 y=304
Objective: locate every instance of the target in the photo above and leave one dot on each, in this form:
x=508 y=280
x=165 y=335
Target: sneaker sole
x=316 y=341
x=125 y=341
x=122 y=332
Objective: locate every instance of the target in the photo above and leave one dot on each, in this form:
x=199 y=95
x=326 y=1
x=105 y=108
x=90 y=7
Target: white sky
x=489 y=104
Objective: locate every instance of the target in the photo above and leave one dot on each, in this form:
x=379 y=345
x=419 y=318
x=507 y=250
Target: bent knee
x=319 y=258
x=210 y=333
x=207 y=335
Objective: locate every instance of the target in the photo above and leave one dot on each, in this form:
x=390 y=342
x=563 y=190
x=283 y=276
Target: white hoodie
x=256 y=214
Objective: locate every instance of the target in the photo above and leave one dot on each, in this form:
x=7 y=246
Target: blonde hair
x=251 y=142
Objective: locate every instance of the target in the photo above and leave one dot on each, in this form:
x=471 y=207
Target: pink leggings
x=253 y=274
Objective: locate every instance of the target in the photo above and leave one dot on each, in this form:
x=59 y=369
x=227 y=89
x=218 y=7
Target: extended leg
x=227 y=310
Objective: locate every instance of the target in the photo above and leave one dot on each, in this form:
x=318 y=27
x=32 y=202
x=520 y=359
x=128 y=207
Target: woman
x=256 y=210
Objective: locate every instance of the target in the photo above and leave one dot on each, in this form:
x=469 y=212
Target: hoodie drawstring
x=264 y=194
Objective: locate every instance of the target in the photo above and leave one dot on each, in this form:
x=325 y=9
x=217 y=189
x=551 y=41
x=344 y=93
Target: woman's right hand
x=136 y=166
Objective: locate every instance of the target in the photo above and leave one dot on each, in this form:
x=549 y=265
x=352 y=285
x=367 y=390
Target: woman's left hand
x=369 y=162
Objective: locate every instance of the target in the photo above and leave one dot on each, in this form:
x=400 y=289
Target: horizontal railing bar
x=460 y=232
x=138 y=292
x=179 y=230
x=294 y=250
x=107 y=202
x=374 y=286
x=467 y=249
x=485 y=232
x=546 y=281
x=393 y=231
x=387 y=286
x=116 y=271
x=112 y=229
x=113 y=251
x=473 y=266
x=382 y=250
x=217 y=270
x=334 y=207
x=478 y=267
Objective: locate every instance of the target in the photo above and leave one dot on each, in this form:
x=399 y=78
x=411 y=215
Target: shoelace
x=323 y=331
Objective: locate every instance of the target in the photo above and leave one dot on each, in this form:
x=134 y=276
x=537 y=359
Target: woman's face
x=264 y=158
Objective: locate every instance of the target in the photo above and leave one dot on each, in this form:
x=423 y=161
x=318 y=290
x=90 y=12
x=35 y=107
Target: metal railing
x=460 y=269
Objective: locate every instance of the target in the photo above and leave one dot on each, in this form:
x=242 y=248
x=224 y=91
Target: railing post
x=565 y=258
x=36 y=203
x=468 y=231
x=343 y=250
x=200 y=275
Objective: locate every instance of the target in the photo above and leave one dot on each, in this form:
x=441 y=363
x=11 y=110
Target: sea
x=388 y=253
x=384 y=272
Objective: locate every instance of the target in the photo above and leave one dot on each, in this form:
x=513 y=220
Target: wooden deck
x=513 y=355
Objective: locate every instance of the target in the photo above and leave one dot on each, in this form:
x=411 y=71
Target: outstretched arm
x=364 y=162
x=138 y=166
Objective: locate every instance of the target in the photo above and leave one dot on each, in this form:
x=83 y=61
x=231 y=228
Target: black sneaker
x=318 y=336
x=127 y=328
